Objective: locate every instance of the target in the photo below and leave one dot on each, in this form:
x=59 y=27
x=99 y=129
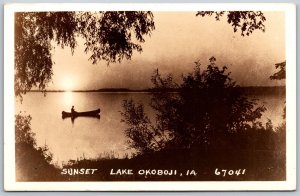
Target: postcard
x=152 y=97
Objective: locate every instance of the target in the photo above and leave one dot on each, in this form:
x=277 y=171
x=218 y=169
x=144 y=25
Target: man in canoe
x=73 y=110
x=75 y=114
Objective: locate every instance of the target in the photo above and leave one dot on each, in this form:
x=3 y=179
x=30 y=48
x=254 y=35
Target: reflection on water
x=73 y=118
x=68 y=98
x=89 y=137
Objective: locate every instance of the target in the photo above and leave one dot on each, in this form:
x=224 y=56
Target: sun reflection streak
x=68 y=98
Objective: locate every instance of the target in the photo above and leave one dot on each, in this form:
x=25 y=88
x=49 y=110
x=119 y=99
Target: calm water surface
x=91 y=137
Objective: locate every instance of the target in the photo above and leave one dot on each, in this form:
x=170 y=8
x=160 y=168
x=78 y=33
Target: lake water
x=91 y=137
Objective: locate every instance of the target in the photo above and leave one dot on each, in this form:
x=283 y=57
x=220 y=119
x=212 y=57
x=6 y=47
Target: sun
x=68 y=83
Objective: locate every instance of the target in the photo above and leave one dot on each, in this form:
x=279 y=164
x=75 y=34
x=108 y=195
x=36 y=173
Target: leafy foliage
x=246 y=21
x=210 y=105
x=281 y=129
x=23 y=133
x=144 y=137
x=108 y=36
x=280 y=75
x=34 y=32
x=24 y=136
x=207 y=110
x=33 y=163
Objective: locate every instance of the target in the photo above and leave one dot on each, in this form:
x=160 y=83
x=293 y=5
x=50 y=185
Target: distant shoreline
x=125 y=90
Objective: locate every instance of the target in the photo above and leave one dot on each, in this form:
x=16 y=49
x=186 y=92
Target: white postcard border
x=9 y=145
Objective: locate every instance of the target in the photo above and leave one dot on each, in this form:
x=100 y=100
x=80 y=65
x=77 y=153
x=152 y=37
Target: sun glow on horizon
x=68 y=83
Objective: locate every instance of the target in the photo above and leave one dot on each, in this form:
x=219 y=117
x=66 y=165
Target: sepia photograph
x=158 y=93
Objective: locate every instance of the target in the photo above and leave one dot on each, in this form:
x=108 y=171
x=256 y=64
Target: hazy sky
x=180 y=39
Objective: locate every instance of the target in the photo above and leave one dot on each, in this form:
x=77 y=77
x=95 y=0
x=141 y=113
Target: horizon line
x=134 y=90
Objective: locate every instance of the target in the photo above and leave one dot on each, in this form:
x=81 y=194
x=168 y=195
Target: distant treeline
x=245 y=89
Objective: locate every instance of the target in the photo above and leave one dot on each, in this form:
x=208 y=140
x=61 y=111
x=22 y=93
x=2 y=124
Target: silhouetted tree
x=107 y=35
x=32 y=162
x=246 y=21
x=142 y=135
x=208 y=108
x=23 y=133
x=280 y=75
x=281 y=129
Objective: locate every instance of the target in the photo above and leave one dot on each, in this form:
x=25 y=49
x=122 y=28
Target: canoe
x=94 y=113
